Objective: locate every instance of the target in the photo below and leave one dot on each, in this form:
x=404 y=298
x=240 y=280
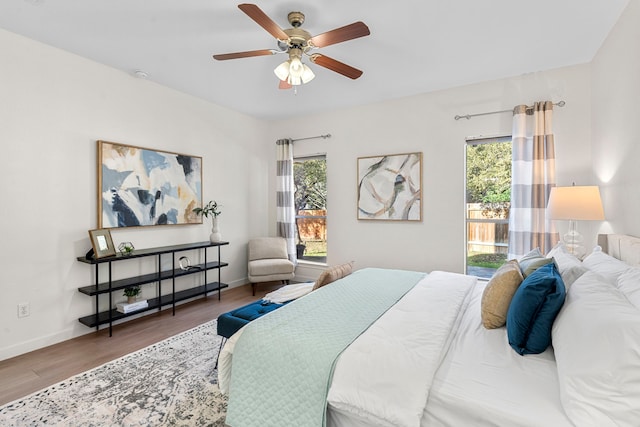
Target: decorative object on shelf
x=139 y=200
x=131 y=293
x=126 y=248
x=211 y=209
x=127 y=307
x=215 y=235
x=390 y=187
x=185 y=264
x=575 y=203
x=102 y=243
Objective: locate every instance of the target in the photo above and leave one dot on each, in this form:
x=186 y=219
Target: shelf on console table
x=108 y=287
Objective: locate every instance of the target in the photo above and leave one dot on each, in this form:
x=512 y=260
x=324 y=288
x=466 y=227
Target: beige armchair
x=268 y=261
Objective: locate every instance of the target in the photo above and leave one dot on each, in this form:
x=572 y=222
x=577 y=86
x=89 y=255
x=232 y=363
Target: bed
x=427 y=359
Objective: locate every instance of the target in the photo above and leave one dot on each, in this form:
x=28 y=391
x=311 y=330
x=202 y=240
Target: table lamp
x=575 y=203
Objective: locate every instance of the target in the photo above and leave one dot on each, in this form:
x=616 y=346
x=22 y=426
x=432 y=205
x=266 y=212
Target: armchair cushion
x=269 y=267
x=267 y=248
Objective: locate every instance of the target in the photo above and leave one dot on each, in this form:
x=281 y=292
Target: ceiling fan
x=297 y=42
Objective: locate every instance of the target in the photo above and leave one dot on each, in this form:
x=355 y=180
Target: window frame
x=304 y=158
x=474 y=141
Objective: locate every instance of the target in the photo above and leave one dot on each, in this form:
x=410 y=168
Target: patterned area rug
x=170 y=383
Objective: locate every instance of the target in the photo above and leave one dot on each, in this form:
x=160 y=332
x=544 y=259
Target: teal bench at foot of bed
x=229 y=323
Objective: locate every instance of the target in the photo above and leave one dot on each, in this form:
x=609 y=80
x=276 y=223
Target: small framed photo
x=102 y=243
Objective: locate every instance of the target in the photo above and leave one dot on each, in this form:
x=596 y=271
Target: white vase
x=215 y=231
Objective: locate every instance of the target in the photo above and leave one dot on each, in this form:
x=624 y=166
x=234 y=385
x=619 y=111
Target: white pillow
x=569 y=266
x=629 y=284
x=596 y=340
x=559 y=247
x=606 y=265
x=571 y=274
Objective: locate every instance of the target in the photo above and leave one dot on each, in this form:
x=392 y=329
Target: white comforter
x=428 y=361
x=397 y=394
x=409 y=342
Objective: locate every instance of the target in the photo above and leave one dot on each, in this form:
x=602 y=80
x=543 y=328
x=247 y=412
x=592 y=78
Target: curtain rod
x=328 y=135
x=468 y=116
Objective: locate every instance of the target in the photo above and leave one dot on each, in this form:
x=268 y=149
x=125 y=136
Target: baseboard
x=38 y=343
x=79 y=330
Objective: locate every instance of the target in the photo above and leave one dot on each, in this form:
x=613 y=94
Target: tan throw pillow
x=498 y=294
x=332 y=274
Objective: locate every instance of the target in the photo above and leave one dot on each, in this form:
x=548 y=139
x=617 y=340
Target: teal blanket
x=283 y=361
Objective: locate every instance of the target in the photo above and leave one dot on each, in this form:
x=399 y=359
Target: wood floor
x=30 y=372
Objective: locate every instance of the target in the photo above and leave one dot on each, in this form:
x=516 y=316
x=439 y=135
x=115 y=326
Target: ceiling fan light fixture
x=282 y=70
x=294 y=72
x=307 y=74
x=296 y=67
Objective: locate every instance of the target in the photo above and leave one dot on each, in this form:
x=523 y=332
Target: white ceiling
x=415 y=46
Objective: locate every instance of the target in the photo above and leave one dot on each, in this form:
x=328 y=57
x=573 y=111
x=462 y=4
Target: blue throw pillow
x=533 y=309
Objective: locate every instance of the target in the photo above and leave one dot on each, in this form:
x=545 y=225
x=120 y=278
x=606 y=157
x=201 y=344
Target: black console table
x=109 y=286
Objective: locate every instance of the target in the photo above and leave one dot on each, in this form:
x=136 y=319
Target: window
x=310 y=181
x=488 y=196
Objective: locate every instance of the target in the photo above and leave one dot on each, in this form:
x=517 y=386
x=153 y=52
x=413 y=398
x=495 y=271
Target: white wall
x=53 y=108
x=616 y=125
x=426 y=123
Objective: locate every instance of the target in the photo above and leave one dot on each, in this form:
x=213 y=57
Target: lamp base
x=573 y=240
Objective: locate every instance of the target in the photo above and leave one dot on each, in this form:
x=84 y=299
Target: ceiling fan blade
x=247 y=54
x=342 y=34
x=337 y=66
x=284 y=85
x=255 y=13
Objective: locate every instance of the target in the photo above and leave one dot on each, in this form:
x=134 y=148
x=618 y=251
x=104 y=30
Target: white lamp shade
x=580 y=203
x=282 y=70
x=295 y=68
x=307 y=74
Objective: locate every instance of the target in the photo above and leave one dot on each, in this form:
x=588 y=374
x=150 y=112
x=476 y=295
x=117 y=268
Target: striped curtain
x=285 y=210
x=533 y=173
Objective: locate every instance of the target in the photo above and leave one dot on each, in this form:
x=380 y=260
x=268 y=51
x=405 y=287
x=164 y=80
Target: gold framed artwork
x=144 y=187
x=390 y=187
x=102 y=243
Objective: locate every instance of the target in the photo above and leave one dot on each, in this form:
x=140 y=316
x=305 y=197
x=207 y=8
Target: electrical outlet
x=24 y=310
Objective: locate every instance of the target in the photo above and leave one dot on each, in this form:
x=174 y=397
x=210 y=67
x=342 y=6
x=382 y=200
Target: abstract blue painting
x=140 y=187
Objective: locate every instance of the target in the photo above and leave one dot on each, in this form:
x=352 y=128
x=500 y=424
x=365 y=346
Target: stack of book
x=125 y=308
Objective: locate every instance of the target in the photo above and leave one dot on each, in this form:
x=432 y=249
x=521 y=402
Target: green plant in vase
x=126 y=248
x=131 y=293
